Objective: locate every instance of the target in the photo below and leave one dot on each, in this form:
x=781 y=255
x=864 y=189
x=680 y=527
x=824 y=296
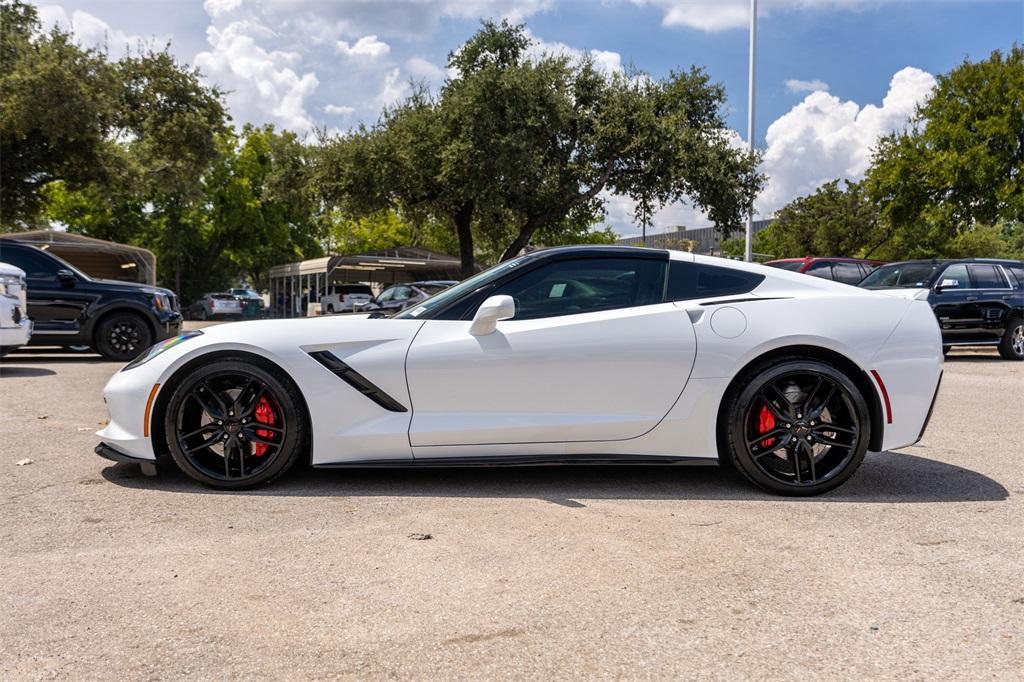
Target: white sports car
x=572 y=355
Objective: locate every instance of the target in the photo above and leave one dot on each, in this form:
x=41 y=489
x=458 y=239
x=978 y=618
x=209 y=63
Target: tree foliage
x=516 y=148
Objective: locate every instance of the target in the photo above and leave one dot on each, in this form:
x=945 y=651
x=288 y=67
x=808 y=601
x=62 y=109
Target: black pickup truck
x=979 y=301
x=118 y=320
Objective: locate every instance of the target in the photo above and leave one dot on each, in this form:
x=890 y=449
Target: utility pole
x=749 y=252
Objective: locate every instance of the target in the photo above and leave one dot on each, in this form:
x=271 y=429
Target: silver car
x=216 y=305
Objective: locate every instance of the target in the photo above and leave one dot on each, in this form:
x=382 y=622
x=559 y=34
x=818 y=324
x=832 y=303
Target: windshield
x=793 y=265
x=466 y=286
x=900 y=275
x=245 y=292
x=431 y=289
x=222 y=297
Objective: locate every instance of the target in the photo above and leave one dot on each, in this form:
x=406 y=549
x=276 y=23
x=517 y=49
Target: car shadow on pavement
x=8 y=371
x=885 y=477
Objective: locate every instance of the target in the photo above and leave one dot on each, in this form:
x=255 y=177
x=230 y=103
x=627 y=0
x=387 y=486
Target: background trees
x=517 y=147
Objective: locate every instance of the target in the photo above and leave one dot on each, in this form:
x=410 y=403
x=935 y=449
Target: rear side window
x=986 y=276
x=792 y=265
x=33 y=263
x=696 y=280
x=822 y=270
x=1018 y=272
x=847 y=273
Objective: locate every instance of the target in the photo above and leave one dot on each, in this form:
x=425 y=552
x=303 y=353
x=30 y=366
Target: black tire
x=793 y=451
x=215 y=430
x=330 y=309
x=1011 y=347
x=122 y=336
x=202 y=314
x=946 y=349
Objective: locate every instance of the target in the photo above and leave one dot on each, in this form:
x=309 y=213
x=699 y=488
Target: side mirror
x=490 y=312
x=948 y=284
x=66 y=278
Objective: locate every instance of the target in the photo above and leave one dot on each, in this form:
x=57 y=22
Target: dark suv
x=979 y=301
x=119 y=320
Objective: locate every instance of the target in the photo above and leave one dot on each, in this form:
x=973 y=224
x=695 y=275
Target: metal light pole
x=749 y=251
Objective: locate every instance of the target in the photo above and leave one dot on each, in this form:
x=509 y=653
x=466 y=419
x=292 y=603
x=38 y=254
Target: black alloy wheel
x=122 y=336
x=233 y=425
x=799 y=427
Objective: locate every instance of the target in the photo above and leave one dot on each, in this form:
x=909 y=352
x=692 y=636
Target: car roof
x=944 y=261
x=837 y=259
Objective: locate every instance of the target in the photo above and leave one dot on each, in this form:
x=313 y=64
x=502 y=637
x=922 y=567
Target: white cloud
x=218 y=8
x=605 y=60
x=824 y=138
x=720 y=15
x=262 y=84
x=394 y=88
x=339 y=109
x=91 y=31
x=796 y=85
x=367 y=46
x=421 y=68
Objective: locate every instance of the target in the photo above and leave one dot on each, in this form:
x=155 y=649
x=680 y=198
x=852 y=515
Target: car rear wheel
x=797 y=427
x=1011 y=347
x=233 y=425
x=122 y=336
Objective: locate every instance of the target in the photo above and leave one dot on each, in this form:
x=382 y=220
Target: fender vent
x=357 y=381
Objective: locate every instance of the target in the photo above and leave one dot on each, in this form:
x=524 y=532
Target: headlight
x=162 y=301
x=159 y=348
x=11 y=285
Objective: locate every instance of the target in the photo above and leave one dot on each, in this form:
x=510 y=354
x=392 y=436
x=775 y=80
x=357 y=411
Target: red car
x=845 y=270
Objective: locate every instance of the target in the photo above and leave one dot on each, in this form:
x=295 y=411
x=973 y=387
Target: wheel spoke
x=806 y=447
x=771 y=435
x=203 y=429
x=826 y=440
x=814 y=413
x=773 y=409
x=214 y=412
x=253 y=437
x=250 y=409
x=833 y=427
x=792 y=454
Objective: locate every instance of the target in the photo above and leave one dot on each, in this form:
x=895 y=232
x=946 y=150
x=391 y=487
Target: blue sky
x=832 y=74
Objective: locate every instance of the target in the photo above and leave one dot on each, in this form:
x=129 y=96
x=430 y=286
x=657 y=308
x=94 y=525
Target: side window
x=401 y=293
x=847 y=273
x=386 y=295
x=822 y=270
x=585 y=285
x=1018 y=272
x=958 y=275
x=986 y=276
x=35 y=265
x=692 y=280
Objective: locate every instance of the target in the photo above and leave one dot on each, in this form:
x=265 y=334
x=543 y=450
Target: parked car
x=252 y=303
x=344 y=298
x=574 y=355
x=15 y=325
x=215 y=305
x=978 y=301
x=402 y=296
x=845 y=270
x=68 y=308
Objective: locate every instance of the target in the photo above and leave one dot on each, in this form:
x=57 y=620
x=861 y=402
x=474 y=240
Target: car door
x=56 y=304
x=992 y=296
x=592 y=354
x=953 y=300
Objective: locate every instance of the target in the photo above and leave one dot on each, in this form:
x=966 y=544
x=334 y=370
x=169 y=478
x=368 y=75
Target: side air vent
x=357 y=381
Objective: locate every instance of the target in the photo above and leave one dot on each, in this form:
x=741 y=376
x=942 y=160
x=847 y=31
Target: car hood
x=132 y=287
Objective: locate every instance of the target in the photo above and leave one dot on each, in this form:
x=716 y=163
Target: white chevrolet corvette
x=574 y=355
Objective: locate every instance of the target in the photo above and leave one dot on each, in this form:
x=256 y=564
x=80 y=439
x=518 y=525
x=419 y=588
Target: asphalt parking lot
x=915 y=568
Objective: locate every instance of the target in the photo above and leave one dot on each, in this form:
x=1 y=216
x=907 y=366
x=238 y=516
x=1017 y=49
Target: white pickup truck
x=15 y=327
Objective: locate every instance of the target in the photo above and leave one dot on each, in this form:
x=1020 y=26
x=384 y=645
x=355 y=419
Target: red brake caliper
x=264 y=415
x=765 y=423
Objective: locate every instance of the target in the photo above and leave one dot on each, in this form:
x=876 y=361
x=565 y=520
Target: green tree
x=517 y=149
x=57 y=109
x=961 y=162
x=833 y=221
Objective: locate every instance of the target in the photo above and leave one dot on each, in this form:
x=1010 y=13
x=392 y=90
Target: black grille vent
x=357 y=381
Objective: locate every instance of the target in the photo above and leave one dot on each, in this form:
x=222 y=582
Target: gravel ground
x=912 y=569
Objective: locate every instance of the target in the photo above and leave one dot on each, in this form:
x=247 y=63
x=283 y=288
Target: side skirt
x=525 y=460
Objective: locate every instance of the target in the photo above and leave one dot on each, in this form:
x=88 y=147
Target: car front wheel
x=122 y=337
x=233 y=425
x=1011 y=347
x=797 y=427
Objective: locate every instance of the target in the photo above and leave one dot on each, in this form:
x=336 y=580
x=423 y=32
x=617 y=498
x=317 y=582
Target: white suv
x=344 y=298
x=15 y=327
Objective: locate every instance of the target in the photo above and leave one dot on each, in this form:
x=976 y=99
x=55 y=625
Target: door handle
x=972 y=298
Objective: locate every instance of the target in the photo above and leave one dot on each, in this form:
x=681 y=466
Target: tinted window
x=900 y=275
x=793 y=265
x=986 y=276
x=222 y=297
x=32 y=262
x=1018 y=272
x=401 y=293
x=693 y=280
x=823 y=270
x=431 y=289
x=847 y=273
x=355 y=289
x=585 y=285
x=957 y=273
